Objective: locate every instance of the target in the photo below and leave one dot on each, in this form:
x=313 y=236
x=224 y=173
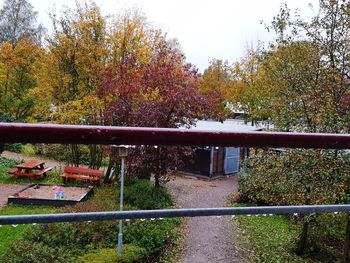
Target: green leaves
x=296 y=177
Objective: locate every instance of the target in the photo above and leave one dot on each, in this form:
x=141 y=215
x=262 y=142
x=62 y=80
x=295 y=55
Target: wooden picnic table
x=31 y=168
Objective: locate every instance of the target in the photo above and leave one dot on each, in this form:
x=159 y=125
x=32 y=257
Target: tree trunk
x=302 y=242
x=108 y=174
x=346 y=248
x=156 y=179
x=112 y=167
x=158 y=169
x=75 y=155
x=96 y=153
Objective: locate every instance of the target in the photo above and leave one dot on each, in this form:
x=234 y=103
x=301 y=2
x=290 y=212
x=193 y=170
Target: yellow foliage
x=153 y=95
x=19 y=69
x=87 y=110
x=132 y=36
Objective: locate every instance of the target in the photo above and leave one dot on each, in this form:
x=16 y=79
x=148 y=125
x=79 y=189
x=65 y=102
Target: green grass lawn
x=51 y=178
x=9 y=234
x=273 y=239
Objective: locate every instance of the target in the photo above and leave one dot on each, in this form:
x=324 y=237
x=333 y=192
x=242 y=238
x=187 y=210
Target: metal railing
x=32 y=133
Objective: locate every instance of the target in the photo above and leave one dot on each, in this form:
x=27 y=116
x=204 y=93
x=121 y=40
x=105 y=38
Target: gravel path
x=25 y=157
x=208 y=239
x=8 y=189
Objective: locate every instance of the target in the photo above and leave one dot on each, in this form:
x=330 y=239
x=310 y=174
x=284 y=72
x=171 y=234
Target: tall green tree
x=301 y=81
x=297 y=101
x=315 y=63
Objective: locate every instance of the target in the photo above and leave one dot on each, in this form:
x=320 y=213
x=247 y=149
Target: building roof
x=231 y=125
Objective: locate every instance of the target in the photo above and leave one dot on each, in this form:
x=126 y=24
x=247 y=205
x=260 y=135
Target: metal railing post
x=122 y=152
x=120 y=235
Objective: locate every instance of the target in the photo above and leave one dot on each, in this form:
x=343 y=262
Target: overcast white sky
x=205 y=29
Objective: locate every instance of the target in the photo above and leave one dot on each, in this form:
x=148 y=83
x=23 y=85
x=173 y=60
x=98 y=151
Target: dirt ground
x=8 y=189
x=208 y=239
x=47 y=192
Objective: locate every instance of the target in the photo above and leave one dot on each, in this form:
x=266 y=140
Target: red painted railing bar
x=47 y=133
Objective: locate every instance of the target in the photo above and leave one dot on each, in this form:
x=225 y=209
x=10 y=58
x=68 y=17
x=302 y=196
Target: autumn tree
x=248 y=92
x=18 y=68
x=312 y=60
x=216 y=83
x=305 y=73
x=78 y=48
x=131 y=36
x=18 y=20
x=77 y=57
x=160 y=93
x=297 y=102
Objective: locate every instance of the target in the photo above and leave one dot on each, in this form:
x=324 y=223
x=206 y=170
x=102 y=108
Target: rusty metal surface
x=48 y=133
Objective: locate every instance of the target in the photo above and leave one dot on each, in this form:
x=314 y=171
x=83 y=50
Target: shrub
x=131 y=253
x=62 y=152
x=54 y=151
x=143 y=195
x=14 y=147
x=151 y=235
x=327 y=234
x=32 y=252
x=54 y=235
x=28 y=149
x=8 y=162
x=53 y=177
x=302 y=177
x=295 y=177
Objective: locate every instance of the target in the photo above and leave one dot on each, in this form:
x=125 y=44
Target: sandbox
x=40 y=194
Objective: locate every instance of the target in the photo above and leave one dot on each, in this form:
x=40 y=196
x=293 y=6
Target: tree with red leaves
x=160 y=93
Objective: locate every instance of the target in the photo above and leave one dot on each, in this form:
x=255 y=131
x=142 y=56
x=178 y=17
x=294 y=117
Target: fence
x=31 y=133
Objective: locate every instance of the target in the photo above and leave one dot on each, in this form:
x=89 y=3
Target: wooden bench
x=44 y=171
x=82 y=174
